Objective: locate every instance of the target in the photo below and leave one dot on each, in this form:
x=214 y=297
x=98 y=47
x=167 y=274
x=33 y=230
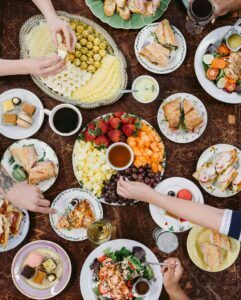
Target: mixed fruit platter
x=223 y=67
x=90 y=164
x=116 y=272
x=95 y=71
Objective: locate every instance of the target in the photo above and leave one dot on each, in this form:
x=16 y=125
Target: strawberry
x=114 y=135
x=118 y=114
x=101 y=141
x=91 y=126
x=128 y=129
x=102 y=125
x=88 y=136
x=114 y=122
x=127 y=119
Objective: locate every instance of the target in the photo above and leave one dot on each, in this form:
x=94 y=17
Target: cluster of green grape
x=90 y=48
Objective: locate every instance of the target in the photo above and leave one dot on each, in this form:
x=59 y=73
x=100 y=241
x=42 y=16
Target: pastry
x=4 y=230
x=3 y=206
x=212 y=255
x=24 y=120
x=39 y=277
x=41 y=171
x=225 y=179
x=192 y=117
x=14 y=216
x=34 y=259
x=220 y=240
x=29 y=109
x=9 y=119
x=156 y=54
x=172 y=113
x=51 y=277
x=8 y=106
x=26 y=156
x=49 y=265
x=109 y=7
x=225 y=159
x=27 y=272
x=165 y=35
x=206 y=174
x=236 y=184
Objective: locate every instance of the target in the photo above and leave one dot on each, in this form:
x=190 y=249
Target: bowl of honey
x=119 y=156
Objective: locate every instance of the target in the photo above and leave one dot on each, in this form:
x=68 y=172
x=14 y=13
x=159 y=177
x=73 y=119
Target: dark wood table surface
x=128 y=222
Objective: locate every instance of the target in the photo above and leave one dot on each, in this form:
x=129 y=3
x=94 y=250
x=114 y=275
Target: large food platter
x=24 y=53
x=84 y=165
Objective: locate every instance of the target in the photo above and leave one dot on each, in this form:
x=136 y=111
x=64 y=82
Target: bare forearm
x=6 y=182
x=177 y=294
x=234 y=5
x=46 y=8
x=13 y=67
x=200 y=214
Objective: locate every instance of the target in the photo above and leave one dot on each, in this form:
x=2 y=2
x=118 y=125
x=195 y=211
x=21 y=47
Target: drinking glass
x=99 y=231
x=166 y=241
x=199 y=14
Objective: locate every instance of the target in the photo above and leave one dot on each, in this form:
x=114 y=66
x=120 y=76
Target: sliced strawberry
x=118 y=114
x=102 y=125
x=114 y=135
x=102 y=289
x=114 y=122
x=101 y=141
x=128 y=129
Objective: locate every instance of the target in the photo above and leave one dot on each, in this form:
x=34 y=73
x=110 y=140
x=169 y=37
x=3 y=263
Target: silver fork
x=214 y=47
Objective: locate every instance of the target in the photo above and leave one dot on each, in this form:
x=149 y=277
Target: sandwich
x=156 y=54
x=236 y=184
x=191 y=116
x=220 y=240
x=28 y=109
x=206 y=174
x=225 y=160
x=109 y=7
x=165 y=35
x=225 y=179
x=212 y=255
x=41 y=171
x=9 y=119
x=124 y=12
x=172 y=113
x=24 y=120
x=26 y=156
x=4 y=230
x=3 y=206
x=14 y=217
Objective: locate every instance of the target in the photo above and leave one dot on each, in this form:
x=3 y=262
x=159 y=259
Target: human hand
x=44 y=66
x=29 y=197
x=172 y=274
x=133 y=190
x=221 y=8
x=57 y=25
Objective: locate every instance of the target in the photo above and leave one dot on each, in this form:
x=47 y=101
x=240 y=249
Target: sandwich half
x=41 y=171
x=156 y=54
x=225 y=159
x=225 y=179
x=26 y=156
x=4 y=230
x=172 y=113
x=206 y=174
x=14 y=216
x=236 y=184
x=165 y=35
x=212 y=255
x=192 y=117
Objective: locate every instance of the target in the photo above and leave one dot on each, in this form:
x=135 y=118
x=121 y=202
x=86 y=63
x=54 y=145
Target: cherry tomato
x=102 y=258
x=129 y=284
x=102 y=289
x=131 y=265
x=212 y=73
x=230 y=86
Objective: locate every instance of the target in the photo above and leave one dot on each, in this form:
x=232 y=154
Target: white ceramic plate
x=44 y=152
x=62 y=204
x=159 y=215
x=16 y=132
x=14 y=241
x=146 y=37
x=182 y=136
x=86 y=275
x=208 y=85
x=208 y=154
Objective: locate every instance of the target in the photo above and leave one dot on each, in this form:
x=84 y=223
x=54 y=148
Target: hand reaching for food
x=223 y=7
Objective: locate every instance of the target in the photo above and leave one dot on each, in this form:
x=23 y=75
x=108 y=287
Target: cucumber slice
x=221 y=83
x=208 y=58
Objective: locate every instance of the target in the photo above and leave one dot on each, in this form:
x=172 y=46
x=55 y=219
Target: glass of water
x=166 y=241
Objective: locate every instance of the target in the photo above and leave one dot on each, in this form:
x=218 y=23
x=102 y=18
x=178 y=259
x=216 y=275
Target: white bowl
x=154 y=82
x=120 y=144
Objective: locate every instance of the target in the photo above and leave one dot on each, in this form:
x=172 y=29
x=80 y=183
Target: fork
x=214 y=47
x=156 y=264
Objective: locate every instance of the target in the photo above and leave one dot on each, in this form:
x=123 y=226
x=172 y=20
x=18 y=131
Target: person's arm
x=223 y=7
x=56 y=24
x=36 y=66
x=23 y=195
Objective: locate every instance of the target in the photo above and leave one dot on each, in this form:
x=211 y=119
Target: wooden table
x=128 y=222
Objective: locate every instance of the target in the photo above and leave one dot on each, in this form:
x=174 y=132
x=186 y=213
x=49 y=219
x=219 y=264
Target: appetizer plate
x=44 y=153
x=206 y=84
x=14 y=241
x=62 y=204
x=145 y=36
x=182 y=136
x=86 y=275
x=207 y=155
x=198 y=235
x=16 y=132
x=24 y=53
x=135 y=22
x=160 y=216
x=35 y=293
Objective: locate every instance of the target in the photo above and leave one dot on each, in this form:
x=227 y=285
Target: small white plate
x=145 y=37
x=212 y=189
x=159 y=215
x=62 y=204
x=181 y=136
x=14 y=241
x=16 y=132
x=206 y=84
x=86 y=275
x=44 y=152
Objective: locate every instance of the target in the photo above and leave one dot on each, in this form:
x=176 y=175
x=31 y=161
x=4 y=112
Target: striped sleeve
x=231 y=224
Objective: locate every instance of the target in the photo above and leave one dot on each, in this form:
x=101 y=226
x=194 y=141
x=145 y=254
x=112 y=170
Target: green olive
x=90 y=29
x=97 y=64
x=78 y=36
x=89 y=45
x=90 y=53
x=85 y=33
x=83 y=58
x=96 y=42
x=91 y=69
x=73 y=25
x=84 y=65
x=97 y=57
x=96 y=49
x=102 y=52
x=77 y=62
x=90 y=61
x=91 y=38
x=83 y=42
x=83 y=50
x=77 y=54
x=77 y=46
x=103 y=45
x=71 y=57
x=79 y=29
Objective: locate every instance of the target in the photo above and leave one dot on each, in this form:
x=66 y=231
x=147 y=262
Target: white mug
x=52 y=112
